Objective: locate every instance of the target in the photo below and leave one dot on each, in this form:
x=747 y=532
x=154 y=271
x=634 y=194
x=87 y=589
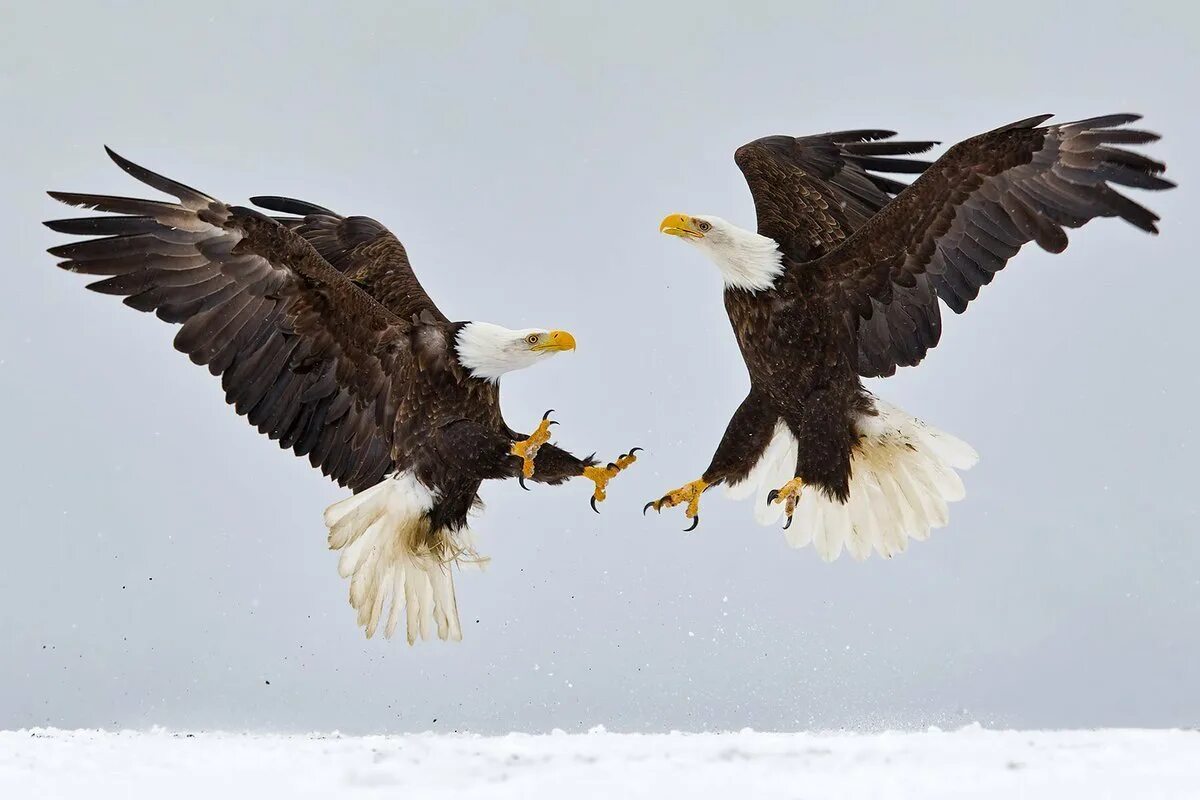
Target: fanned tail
x=904 y=474
x=395 y=560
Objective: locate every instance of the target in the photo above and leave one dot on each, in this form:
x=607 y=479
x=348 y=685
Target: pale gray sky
x=163 y=562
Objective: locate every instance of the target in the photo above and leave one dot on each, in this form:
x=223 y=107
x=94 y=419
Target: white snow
x=972 y=762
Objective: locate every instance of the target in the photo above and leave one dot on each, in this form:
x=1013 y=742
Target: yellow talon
x=602 y=475
x=688 y=493
x=527 y=449
x=788 y=494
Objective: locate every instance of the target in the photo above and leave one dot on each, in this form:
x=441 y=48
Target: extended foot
x=602 y=475
x=787 y=494
x=527 y=449
x=688 y=493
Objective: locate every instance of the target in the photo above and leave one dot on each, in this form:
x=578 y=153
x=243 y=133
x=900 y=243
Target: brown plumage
x=811 y=192
x=848 y=287
x=325 y=341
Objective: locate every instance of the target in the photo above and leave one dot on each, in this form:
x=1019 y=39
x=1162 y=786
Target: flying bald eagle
x=326 y=342
x=841 y=281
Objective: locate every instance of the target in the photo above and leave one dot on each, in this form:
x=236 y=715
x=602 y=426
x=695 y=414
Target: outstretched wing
x=363 y=250
x=959 y=223
x=308 y=357
x=811 y=192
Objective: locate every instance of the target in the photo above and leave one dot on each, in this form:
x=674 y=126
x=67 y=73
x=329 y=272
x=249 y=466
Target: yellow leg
x=527 y=449
x=787 y=494
x=688 y=493
x=602 y=475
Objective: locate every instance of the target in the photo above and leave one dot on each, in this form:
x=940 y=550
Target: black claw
x=593 y=504
x=611 y=465
x=771 y=495
x=788 y=524
x=548 y=413
x=634 y=450
x=521 y=480
x=647 y=507
x=695 y=522
x=553 y=422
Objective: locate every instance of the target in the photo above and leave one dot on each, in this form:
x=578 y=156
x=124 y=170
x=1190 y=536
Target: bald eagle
x=325 y=341
x=842 y=280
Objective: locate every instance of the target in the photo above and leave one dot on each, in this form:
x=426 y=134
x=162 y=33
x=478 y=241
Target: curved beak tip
x=557 y=342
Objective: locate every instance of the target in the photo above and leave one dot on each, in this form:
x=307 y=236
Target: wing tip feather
x=70 y=198
x=290 y=205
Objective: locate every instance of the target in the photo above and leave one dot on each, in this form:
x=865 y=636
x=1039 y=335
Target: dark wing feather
x=968 y=214
x=811 y=192
x=310 y=359
x=363 y=250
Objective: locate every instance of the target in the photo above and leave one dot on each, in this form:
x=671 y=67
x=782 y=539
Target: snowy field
x=972 y=762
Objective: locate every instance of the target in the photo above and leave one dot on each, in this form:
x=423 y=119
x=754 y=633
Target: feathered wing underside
x=811 y=192
x=304 y=354
x=363 y=250
x=968 y=214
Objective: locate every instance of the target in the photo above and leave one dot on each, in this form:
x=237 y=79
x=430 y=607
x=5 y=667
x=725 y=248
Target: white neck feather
x=747 y=260
x=488 y=351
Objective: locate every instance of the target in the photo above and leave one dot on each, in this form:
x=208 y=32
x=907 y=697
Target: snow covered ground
x=972 y=762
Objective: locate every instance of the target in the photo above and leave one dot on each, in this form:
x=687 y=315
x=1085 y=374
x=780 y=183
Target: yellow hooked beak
x=681 y=225
x=555 y=342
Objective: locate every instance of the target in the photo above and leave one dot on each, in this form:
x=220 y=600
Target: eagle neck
x=489 y=351
x=747 y=260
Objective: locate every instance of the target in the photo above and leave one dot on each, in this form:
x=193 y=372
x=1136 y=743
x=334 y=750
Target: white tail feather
x=903 y=476
x=778 y=460
x=394 y=561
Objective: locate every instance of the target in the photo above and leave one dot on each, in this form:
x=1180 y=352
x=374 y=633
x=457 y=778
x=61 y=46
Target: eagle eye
x=532 y=338
x=704 y=226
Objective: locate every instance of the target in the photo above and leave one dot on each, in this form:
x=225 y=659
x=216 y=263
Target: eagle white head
x=489 y=351
x=747 y=260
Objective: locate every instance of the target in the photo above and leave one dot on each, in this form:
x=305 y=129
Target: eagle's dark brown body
x=799 y=376
x=448 y=426
x=864 y=261
x=811 y=193
x=325 y=340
